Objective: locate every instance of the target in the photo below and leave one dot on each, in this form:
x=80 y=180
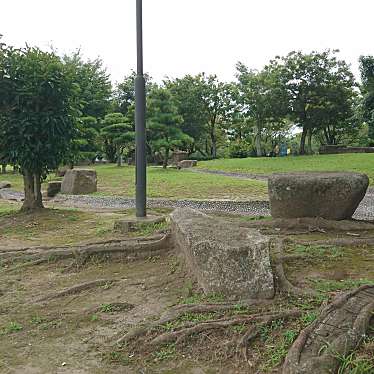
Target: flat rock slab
x=79 y=181
x=329 y=195
x=337 y=332
x=223 y=257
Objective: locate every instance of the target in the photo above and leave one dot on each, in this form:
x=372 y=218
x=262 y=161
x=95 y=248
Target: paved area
x=250 y=208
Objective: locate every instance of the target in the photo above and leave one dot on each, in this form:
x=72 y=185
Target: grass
x=266 y=165
x=60 y=226
x=169 y=183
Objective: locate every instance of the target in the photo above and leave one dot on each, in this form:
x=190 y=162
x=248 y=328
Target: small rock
x=5 y=184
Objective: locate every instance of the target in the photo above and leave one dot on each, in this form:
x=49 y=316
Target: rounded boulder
x=330 y=195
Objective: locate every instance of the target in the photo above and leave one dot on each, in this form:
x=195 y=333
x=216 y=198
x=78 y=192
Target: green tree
x=263 y=102
x=187 y=95
x=367 y=88
x=313 y=84
x=164 y=124
x=38 y=108
x=95 y=88
x=118 y=135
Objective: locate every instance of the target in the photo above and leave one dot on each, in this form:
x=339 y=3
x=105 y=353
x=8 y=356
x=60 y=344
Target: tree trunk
x=213 y=151
x=258 y=141
x=119 y=157
x=3 y=169
x=302 y=140
x=310 y=134
x=33 y=193
x=166 y=158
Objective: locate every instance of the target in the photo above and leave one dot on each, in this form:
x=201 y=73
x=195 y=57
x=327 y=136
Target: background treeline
x=251 y=116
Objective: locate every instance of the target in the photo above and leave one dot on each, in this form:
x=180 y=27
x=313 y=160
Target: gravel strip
x=251 y=208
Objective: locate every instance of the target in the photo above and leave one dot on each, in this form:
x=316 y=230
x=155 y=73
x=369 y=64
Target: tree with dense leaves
x=95 y=88
x=164 y=124
x=188 y=97
x=39 y=103
x=319 y=88
x=367 y=77
x=118 y=135
x=263 y=101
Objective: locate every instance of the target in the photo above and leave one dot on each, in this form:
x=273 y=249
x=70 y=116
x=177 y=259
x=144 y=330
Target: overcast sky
x=191 y=36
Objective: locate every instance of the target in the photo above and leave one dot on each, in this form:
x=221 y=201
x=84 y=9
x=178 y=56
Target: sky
x=191 y=36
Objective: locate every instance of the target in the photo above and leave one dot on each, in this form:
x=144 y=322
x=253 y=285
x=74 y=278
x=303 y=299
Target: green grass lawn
x=363 y=163
x=169 y=183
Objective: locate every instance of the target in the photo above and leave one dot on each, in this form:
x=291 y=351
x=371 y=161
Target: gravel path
x=250 y=208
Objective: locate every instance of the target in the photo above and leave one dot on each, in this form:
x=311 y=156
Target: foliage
x=39 y=105
x=264 y=103
x=164 y=132
x=118 y=136
x=95 y=88
x=367 y=77
x=320 y=91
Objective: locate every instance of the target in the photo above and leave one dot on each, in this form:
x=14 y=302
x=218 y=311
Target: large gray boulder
x=223 y=257
x=79 y=181
x=330 y=195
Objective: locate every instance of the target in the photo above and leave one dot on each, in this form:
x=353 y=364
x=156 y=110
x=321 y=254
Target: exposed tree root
x=178 y=311
x=338 y=330
x=284 y=285
x=191 y=328
x=130 y=249
x=254 y=330
x=76 y=289
x=311 y=224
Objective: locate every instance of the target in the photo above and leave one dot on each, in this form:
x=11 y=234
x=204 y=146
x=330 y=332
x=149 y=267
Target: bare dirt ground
x=45 y=331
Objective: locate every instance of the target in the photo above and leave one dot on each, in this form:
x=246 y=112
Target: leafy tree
x=217 y=103
x=187 y=95
x=85 y=145
x=263 y=101
x=124 y=93
x=38 y=107
x=367 y=77
x=95 y=88
x=118 y=135
x=164 y=124
x=319 y=89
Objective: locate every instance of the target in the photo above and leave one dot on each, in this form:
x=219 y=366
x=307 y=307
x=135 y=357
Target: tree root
x=76 y=289
x=252 y=333
x=130 y=249
x=337 y=331
x=178 y=311
x=191 y=328
x=284 y=285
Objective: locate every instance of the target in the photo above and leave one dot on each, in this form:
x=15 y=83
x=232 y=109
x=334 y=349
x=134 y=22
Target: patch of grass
x=118 y=357
x=352 y=364
x=327 y=285
x=362 y=163
x=165 y=353
x=169 y=183
x=322 y=251
x=11 y=328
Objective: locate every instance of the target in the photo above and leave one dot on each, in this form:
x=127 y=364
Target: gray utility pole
x=140 y=134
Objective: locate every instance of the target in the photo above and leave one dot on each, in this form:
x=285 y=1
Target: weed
x=12 y=328
x=94 y=318
x=118 y=357
x=354 y=365
x=165 y=353
x=106 y=308
x=36 y=320
x=326 y=285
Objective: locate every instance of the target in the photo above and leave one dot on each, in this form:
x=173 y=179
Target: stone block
x=223 y=257
x=79 y=181
x=330 y=195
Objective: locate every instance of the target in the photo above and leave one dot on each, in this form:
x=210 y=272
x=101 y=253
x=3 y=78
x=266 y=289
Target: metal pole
x=140 y=132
